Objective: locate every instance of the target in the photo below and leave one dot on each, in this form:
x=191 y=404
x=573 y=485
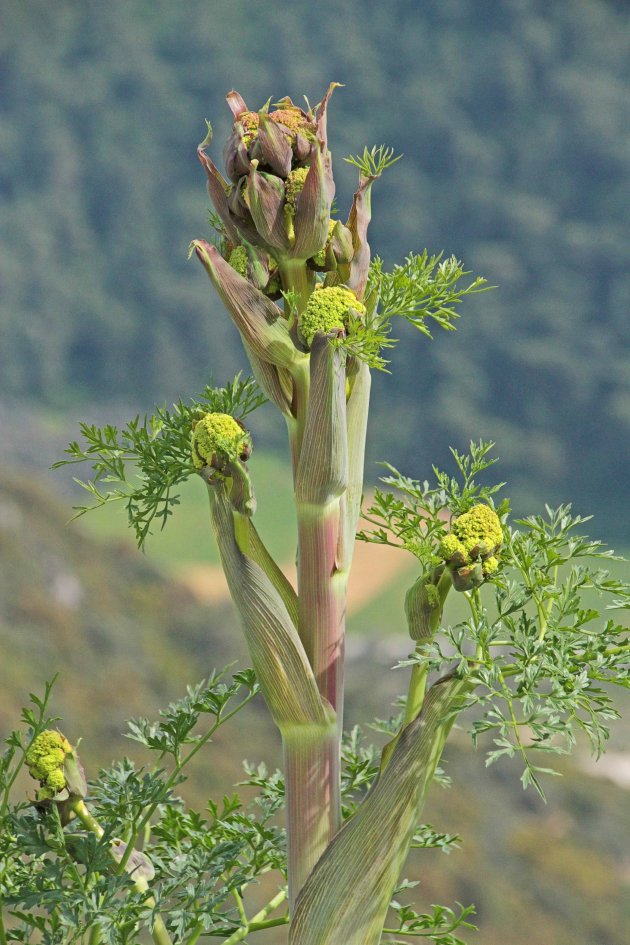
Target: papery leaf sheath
x=322 y=137
x=321 y=113
x=274 y=382
x=258 y=265
x=312 y=215
x=275 y=146
x=357 y=410
x=302 y=147
x=257 y=318
x=241 y=217
x=358 y=221
x=236 y=104
x=242 y=493
x=218 y=188
x=235 y=156
x=346 y=897
x=341 y=243
x=258 y=553
x=322 y=473
x=283 y=671
x=424 y=602
x=264 y=195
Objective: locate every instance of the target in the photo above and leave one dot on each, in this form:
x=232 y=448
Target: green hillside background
x=514 y=121
x=126 y=633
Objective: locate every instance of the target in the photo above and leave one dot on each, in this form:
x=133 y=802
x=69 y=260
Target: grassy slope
x=123 y=638
x=541 y=872
x=187 y=539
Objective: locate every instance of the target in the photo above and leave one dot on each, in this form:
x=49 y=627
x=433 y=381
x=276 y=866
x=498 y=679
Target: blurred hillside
x=125 y=639
x=514 y=120
x=101 y=616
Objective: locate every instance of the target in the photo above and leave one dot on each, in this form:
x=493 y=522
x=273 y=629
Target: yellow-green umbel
x=293 y=188
x=471 y=545
x=250 y=122
x=45 y=759
x=218 y=439
x=238 y=260
x=292 y=119
x=295 y=121
x=326 y=310
x=319 y=259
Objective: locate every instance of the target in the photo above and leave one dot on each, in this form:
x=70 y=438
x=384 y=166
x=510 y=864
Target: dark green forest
x=514 y=121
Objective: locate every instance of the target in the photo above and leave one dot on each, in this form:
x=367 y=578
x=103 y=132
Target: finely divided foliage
x=150 y=457
x=531 y=664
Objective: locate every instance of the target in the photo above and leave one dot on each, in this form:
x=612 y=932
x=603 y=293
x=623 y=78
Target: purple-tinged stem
x=311 y=765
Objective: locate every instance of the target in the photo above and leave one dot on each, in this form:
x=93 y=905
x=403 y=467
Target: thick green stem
x=258 y=921
x=298 y=278
x=296 y=422
x=312 y=761
x=312 y=777
x=318 y=436
x=424 y=616
x=3 y=935
x=159 y=932
x=95 y=936
x=87 y=819
x=363 y=863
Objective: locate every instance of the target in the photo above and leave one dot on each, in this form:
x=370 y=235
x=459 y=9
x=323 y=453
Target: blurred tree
x=514 y=119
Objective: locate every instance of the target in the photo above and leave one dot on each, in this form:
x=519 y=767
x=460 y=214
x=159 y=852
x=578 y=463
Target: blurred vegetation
x=514 y=120
x=125 y=639
x=103 y=617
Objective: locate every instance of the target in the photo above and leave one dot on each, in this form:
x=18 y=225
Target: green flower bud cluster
x=319 y=259
x=238 y=260
x=46 y=759
x=218 y=440
x=255 y=265
x=250 y=122
x=471 y=546
x=327 y=309
x=293 y=188
x=279 y=150
x=292 y=119
x=268 y=156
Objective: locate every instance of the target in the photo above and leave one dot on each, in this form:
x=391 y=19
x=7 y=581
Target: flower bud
x=453 y=551
x=470 y=547
x=282 y=186
x=255 y=265
x=219 y=440
x=238 y=260
x=53 y=762
x=468 y=577
x=293 y=188
x=327 y=309
x=279 y=140
x=325 y=259
x=490 y=565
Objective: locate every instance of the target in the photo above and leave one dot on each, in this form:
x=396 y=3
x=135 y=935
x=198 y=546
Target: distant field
x=187 y=550
x=187 y=538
